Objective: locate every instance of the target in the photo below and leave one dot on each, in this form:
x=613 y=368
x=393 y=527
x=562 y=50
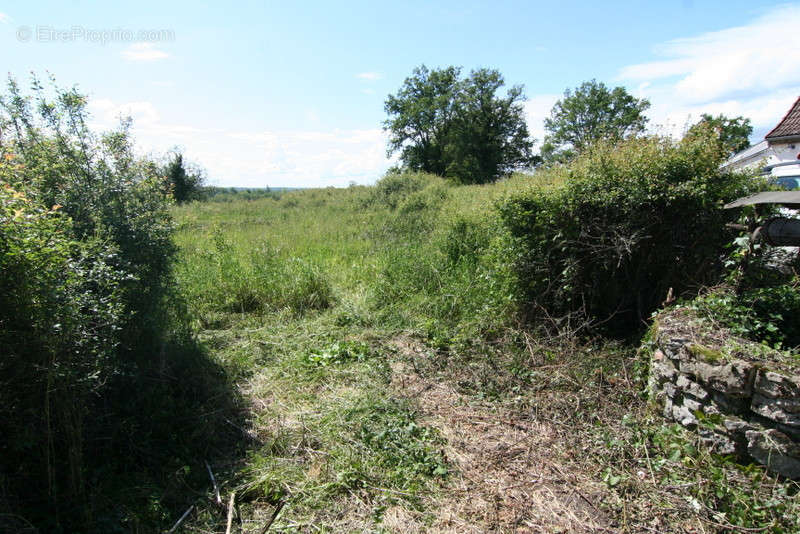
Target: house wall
x=770 y=153
x=784 y=152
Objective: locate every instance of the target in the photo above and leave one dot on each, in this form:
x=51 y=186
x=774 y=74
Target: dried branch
x=275 y=513
x=214 y=482
x=230 y=512
x=179 y=521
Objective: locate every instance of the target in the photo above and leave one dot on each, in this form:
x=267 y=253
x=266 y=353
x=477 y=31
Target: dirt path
x=511 y=473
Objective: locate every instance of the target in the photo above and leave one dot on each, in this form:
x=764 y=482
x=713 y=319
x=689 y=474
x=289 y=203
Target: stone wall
x=742 y=398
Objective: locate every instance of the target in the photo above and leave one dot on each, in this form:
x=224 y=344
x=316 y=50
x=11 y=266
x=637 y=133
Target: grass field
x=387 y=388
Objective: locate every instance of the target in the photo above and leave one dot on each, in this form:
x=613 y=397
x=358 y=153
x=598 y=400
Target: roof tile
x=789 y=125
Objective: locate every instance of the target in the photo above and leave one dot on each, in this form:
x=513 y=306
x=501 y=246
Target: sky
x=290 y=94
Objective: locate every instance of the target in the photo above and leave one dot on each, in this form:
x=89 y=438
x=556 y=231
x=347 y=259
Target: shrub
x=90 y=330
x=59 y=316
x=631 y=222
x=184 y=181
x=108 y=193
x=394 y=188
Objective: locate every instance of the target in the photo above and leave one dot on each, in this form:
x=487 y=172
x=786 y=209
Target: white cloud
x=4 y=19
x=143 y=52
x=369 y=76
x=537 y=109
x=759 y=57
x=106 y=113
x=672 y=117
x=749 y=70
x=292 y=158
x=308 y=158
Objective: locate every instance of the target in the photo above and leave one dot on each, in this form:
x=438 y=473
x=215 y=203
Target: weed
x=340 y=352
x=395 y=441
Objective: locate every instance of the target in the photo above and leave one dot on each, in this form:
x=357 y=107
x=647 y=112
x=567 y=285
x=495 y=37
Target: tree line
x=463 y=128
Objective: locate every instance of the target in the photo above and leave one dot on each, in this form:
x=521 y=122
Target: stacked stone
x=738 y=407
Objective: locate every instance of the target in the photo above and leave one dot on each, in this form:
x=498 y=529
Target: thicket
x=632 y=223
x=597 y=244
x=95 y=390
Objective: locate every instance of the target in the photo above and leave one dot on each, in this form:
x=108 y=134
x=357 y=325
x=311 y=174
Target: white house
x=778 y=155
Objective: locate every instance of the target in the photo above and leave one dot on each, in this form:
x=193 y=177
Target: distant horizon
x=293 y=95
x=253 y=188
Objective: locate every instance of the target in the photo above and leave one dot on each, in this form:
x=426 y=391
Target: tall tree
x=589 y=113
x=490 y=137
x=421 y=116
x=460 y=128
x=734 y=133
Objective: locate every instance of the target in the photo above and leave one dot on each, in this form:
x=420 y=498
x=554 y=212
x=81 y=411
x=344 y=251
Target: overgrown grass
x=225 y=278
x=300 y=299
x=296 y=298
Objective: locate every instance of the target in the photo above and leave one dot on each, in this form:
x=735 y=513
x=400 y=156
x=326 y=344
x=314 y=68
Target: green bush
x=183 y=180
x=631 y=222
x=393 y=188
x=59 y=316
x=91 y=331
x=759 y=299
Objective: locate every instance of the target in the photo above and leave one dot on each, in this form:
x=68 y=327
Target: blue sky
x=291 y=93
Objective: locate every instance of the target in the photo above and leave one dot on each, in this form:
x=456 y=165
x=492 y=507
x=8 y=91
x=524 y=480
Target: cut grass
x=328 y=438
